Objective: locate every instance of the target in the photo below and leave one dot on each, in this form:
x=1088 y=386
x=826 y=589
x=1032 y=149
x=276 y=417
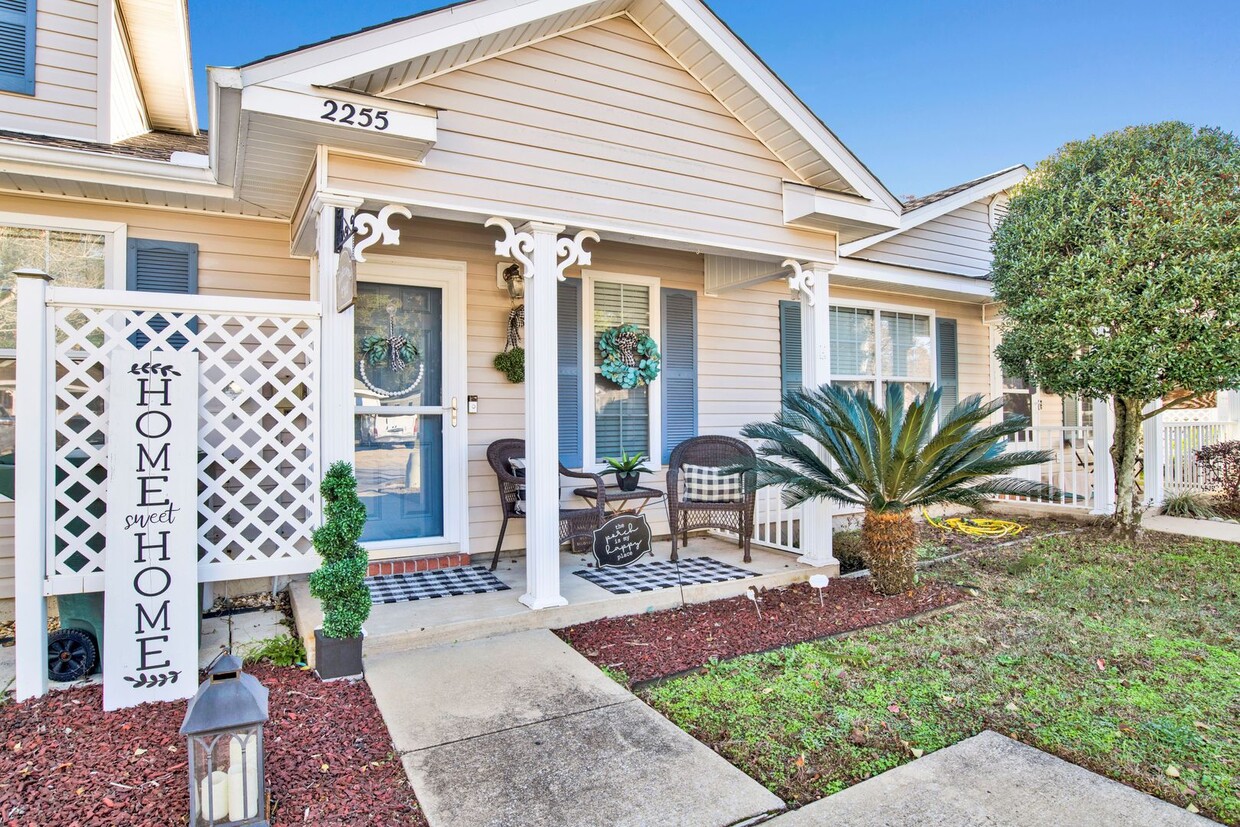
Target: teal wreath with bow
x=630 y=357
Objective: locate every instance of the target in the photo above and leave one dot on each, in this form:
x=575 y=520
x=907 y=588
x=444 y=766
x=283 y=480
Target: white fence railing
x=258 y=445
x=1180 y=443
x=1071 y=468
x=774 y=524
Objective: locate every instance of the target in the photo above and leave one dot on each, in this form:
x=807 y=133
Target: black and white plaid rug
x=661 y=574
x=425 y=585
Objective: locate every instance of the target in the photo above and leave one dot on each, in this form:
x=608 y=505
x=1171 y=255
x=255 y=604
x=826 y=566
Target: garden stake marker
x=820 y=582
x=753 y=595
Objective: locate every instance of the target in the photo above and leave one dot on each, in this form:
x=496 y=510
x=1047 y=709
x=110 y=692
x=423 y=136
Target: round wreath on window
x=630 y=357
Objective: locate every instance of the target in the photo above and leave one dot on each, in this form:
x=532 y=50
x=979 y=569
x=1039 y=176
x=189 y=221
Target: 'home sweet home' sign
x=151 y=576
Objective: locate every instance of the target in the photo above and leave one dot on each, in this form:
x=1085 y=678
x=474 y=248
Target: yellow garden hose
x=975 y=527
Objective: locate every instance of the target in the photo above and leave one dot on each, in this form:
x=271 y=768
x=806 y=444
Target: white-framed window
x=875 y=346
x=75 y=254
x=618 y=420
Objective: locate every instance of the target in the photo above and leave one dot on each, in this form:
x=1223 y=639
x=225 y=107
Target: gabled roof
x=158 y=37
x=383 y=59
x=918 y=211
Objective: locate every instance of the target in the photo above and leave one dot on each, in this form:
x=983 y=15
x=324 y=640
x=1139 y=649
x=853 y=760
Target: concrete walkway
x=521 y=730
x=1206 y=529
x=993 y=781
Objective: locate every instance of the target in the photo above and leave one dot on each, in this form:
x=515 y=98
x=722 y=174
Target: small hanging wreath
x=630 y=357
x=397 y=349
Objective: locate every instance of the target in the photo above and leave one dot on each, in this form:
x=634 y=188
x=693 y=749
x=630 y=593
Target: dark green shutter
x=17 y=32
x=949 y=363
x=568 y=323
x=678 y=374
x=791 y=375
x=161 y=267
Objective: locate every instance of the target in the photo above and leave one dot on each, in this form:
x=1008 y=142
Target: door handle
x=454 y=412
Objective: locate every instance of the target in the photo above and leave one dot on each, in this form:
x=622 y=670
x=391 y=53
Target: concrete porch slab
x=400 y=626
x=989 y=781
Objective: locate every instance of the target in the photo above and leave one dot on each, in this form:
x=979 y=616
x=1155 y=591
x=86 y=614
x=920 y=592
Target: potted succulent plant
x=340 y=582
x=628 y=470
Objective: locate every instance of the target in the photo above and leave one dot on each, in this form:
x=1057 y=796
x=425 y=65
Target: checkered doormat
x=661 y=574
x=425 y=585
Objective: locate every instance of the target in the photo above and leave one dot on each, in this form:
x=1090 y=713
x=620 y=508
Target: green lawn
x=1123 y=659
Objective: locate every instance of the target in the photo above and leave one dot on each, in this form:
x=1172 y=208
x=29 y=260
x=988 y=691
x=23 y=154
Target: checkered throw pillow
x=704 y=484
x=517 y=464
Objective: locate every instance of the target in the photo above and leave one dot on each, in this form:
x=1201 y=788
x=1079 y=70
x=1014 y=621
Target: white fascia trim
x=329 y=63
x=969 y=289
x=114 y=170
x=914 y=218
x=779 y=97
x=802 y=201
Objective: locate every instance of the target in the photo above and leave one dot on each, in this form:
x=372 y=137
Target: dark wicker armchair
x=733 y=515
x=576 y=524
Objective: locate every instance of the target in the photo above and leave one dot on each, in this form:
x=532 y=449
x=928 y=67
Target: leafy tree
x=1118 y=266
x=839 y=445
x=340 y=582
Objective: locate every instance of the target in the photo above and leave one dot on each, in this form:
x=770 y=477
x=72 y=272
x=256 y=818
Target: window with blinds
x=871 y=350
x=621 y=416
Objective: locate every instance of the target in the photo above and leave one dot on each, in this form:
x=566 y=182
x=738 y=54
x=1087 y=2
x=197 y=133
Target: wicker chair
x=576 y=524
x=685 y=515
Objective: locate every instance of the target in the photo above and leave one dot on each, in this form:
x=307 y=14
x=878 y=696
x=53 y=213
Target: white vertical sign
x=151 y=576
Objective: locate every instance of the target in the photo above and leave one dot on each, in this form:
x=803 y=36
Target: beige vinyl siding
x=128 y=114
x=66 y=74
x=598 y=126
x=236 y=256
x=958 y=242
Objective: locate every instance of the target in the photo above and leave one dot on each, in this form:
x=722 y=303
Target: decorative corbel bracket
x=801 y=281
x=571 y=251
x=377 y=228
x=519 y=246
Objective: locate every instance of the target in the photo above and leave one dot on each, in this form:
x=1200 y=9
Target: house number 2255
x=346 y=113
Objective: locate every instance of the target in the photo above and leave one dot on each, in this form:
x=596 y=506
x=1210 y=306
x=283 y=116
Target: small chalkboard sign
x=622 y=541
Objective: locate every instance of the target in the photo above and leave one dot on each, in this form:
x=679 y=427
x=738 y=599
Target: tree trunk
x=1125 y=451
x=889 y=546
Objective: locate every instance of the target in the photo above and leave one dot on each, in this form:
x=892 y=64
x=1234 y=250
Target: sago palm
x=841 y=446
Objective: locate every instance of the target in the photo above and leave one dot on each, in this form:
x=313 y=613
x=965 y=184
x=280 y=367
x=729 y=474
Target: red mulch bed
x=330 y=760
x=659 y=644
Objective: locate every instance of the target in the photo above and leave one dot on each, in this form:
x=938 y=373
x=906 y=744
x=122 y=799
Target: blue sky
x=927 y=94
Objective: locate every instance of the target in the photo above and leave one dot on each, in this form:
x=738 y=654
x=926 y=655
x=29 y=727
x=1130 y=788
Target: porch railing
x=1070 y=469
x=1180 y=443
x=258 y=434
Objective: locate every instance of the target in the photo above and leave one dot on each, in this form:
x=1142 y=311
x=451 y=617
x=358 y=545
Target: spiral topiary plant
x=340 y=582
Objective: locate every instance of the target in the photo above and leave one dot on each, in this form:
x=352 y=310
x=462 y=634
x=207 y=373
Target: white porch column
x=1154 y=457
x=34 y=412
x=543 y=256
x=1104 y=470
x=335 y=337
x=812 y=282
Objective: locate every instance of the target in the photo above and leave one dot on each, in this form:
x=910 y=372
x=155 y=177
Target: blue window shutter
x=161 y=267
x=949 y=363
x=678 y=373
x=17 y=32
x=790 y=372
x=570 y=386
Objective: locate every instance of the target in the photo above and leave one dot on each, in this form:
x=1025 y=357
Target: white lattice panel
x=258 y=468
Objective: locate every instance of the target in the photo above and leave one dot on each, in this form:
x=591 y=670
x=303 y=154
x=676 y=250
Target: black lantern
x=224 y=728
x=515 y=281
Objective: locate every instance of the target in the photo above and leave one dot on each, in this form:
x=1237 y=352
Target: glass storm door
x=400 y=410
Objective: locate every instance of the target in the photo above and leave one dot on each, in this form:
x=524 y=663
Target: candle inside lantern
x=242 y=792
x=243 y=746
x=213 y=796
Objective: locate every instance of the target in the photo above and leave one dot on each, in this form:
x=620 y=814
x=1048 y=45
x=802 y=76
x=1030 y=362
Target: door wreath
x=394 y=348
x=630 y=357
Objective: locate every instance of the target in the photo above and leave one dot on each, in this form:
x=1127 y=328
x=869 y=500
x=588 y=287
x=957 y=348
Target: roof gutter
x=110 y=170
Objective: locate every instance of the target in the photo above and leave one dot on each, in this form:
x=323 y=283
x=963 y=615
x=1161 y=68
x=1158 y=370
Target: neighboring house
x=731 y=224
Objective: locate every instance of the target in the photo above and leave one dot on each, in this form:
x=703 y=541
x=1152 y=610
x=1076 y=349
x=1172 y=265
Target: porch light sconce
x=513 y=280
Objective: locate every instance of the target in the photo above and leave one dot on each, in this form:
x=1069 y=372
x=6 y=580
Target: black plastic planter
x=337 y=657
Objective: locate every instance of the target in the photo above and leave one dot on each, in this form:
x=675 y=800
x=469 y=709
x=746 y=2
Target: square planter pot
x=337 y=657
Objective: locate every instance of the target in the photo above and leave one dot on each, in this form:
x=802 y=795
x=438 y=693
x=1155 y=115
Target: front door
x=406 y=388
